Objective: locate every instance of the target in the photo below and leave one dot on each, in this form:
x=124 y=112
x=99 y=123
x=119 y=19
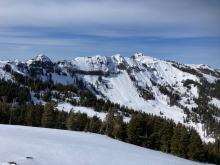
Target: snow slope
x=89 y=111
x=67 y=107
x=4 y=74
x=215 y=102
x=57 y=147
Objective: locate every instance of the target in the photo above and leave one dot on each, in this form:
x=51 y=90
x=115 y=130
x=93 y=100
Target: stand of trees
x=143 y=129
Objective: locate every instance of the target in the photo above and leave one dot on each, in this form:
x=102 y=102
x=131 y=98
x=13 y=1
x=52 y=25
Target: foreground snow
x=56 y=147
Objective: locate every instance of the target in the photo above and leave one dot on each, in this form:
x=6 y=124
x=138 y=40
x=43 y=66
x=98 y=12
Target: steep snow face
x=210 y=74
x=98 y=63
x=91 y=63
x=120 y=89
x=37 y=146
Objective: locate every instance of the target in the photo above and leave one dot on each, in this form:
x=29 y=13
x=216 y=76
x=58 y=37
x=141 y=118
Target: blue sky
x=187 y=31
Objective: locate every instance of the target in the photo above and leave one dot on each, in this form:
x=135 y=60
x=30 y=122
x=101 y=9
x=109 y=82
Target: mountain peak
x=143 y=58
x=137 y=55
x=42 y=58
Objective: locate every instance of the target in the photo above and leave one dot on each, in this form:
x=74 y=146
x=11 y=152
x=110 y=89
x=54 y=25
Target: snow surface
x=4 y=74
x=57 y=147
x=215 y=102
x=89 y=111
x=209 y=78
x=40 y=58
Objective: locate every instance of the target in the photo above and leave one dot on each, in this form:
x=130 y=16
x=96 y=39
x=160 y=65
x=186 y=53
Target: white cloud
x=158 y=18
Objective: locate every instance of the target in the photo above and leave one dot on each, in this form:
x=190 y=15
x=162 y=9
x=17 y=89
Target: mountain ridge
x=143 y=83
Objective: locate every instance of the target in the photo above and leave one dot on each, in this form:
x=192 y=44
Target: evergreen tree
x=180 y=141
x=4 y=113
x=60 y=118
x=24 y=95
x=38 y=112
x=70 y=121
x=166 y=136
x=119 y=128
x=94 y=124
x=195 y=147
x=81 y=120
x=77 y=121
x=21 y=113
x=136 y=129
x=29 y=115
x=175 y=145
x=184 y=142
x=48 y=116
x=109 y=123
x=47 y=96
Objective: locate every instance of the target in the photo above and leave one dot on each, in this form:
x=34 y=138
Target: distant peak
x=118 y=58
x=42 y=58
x=137 y=55
x=202 y=66
x=143 y=58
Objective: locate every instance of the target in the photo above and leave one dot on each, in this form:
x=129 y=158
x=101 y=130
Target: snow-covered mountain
x=36 y=146
x=143 y=83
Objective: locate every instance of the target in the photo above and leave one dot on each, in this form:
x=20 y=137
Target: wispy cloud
x=101 y=17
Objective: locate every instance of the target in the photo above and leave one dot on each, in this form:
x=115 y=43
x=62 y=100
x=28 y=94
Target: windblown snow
x=40 y=146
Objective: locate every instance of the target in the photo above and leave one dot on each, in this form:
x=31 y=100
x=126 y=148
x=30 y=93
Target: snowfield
x=67 y=107
x=40 y=146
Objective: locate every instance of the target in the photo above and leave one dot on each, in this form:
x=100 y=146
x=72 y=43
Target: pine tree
x=136 y=129
x=38 y=112
x=109 y=123
x=175 y=145
x=94 y=124
x=70 y=124
x=47 y=96
x=81 y=120
x=165 y=139
x=24 y=95
x=48 y=116
x=119 y=128
x=77 y=121
x=60 y=119
x=4 y=113
x=195 y=147
x=184 y=142
x=29 y=115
